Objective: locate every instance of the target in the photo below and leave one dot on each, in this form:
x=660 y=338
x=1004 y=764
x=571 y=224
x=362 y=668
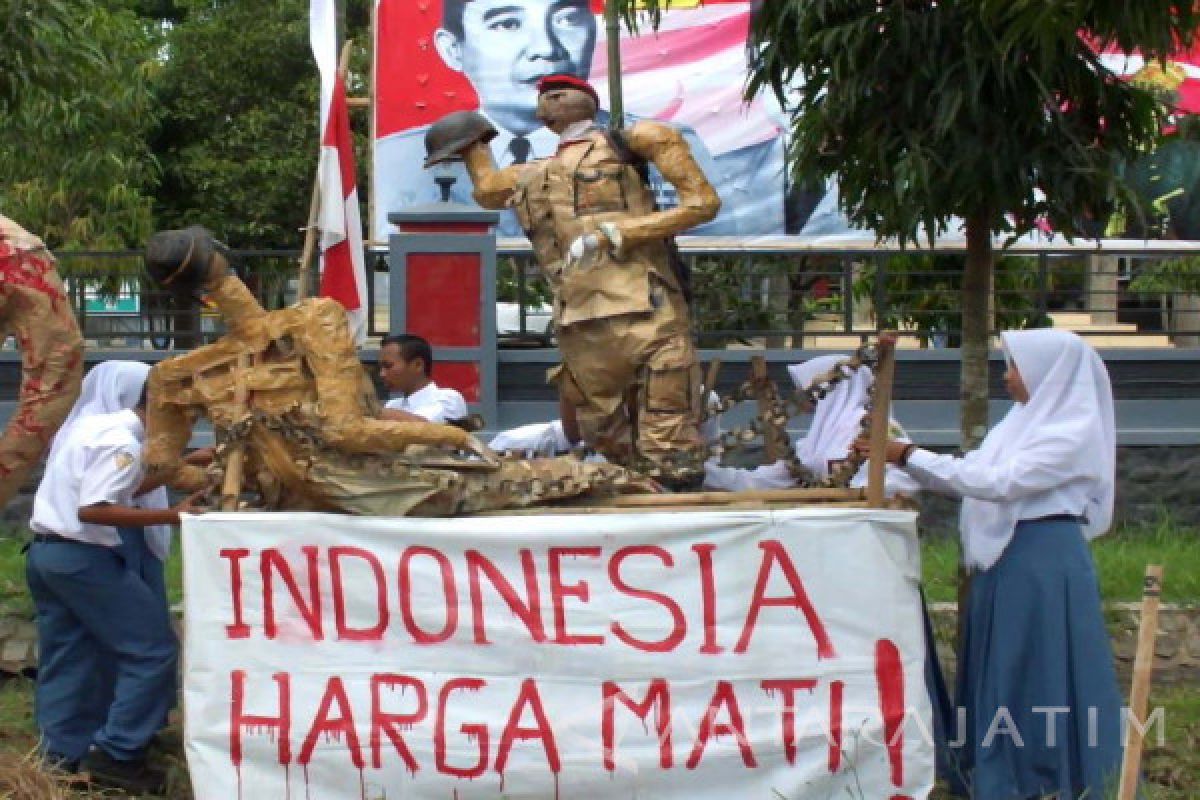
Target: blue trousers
x=108 y=653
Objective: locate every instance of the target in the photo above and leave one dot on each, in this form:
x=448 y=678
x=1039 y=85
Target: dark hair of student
x=411 y=346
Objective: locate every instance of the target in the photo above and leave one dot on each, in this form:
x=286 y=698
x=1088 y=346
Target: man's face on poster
x=506 y=46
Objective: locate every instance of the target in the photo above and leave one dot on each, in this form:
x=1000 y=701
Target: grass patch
x=1121 y=558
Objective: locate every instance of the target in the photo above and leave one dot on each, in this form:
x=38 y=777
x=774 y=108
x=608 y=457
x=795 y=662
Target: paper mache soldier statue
x=35 y=309
x=620 y=311
x=286 y=389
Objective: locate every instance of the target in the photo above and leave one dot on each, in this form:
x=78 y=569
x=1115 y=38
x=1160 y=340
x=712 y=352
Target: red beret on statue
x=566 y=81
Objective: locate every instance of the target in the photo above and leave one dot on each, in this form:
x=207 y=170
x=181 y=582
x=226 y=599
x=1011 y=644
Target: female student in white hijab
x=75 y=703
x=837 y=422
x=1034 y=493
x=116 y=386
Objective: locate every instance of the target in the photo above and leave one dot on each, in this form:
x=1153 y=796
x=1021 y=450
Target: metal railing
x=768 y=295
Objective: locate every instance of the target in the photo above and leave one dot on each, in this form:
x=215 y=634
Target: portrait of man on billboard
x=503 y=48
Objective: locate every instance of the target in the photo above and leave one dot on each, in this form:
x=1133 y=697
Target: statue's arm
x=329 y=353
x=169 y=428
x=493 y=186
x=666 y=148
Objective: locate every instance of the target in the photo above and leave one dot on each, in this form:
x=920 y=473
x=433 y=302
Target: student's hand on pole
x=897 y=451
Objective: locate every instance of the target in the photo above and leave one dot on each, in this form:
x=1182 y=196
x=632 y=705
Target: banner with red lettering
x=723 y=654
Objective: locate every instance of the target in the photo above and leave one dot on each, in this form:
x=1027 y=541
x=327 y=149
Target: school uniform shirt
x=100 y=462
x=1053 y=454
x=433 y=403
x=536 y=440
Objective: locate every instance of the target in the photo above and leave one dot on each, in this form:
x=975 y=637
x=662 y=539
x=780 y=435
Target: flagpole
x=314 y=206
x=616 y=102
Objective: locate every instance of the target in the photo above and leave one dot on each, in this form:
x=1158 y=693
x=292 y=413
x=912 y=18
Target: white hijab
x=837 y=419
x=109 y=387
x=1066 y=430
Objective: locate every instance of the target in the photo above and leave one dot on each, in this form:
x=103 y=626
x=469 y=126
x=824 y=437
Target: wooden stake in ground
x=881 y=413
x=1139 y=694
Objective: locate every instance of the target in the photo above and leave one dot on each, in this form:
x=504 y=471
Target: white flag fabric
x=343 y=266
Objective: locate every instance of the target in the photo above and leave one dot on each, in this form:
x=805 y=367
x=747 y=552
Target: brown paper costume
x=629 y=364
x=34 y=308
x=308 y=429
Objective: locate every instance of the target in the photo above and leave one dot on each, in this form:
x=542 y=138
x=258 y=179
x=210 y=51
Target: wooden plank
x=744 y=505
x=1139 y=695
x=881 y=420
x=798 y=496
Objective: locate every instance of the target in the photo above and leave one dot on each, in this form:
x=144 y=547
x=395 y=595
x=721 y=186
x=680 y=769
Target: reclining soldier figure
x=309 y=426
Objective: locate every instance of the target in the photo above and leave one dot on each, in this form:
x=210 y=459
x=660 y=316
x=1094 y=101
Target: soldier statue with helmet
x=621 y=312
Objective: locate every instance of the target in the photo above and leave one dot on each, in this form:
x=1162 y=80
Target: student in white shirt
x=100 y=621
x=406 y=367
x=1039 y=487
x=837 y=422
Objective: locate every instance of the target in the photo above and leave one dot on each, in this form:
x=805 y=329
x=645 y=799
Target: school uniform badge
x=123 y=460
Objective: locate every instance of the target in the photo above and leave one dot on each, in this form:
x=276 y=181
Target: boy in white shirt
x=406 y=367
x=96 y=613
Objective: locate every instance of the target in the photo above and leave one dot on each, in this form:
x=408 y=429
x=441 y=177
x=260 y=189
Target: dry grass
x=22 y=777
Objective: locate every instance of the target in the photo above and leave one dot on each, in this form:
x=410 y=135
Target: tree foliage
x=239 y=137
x=75 y=160
x=999 y=112
x=994 y=110
x=32 y=56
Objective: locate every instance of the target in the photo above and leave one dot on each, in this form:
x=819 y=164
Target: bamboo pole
x=314 y=205
x=574 y=509
x=710 y=376
x=725 y=498
x=881 y=408
x=310 y=242
x=231 y=485
x=764 y=396
x=1139 y=694
x=616 y=101
x=373 y=78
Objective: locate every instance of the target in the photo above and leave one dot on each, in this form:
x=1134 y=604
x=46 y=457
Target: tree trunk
x=973 y=390
x=976 y=331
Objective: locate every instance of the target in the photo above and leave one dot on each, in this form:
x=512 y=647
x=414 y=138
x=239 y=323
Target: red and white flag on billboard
x=343 y=266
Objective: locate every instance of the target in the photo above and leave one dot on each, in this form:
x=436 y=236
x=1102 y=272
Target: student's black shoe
x=58 y=765
x=130 y=776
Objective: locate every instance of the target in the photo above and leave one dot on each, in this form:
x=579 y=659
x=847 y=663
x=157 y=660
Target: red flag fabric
x=342 y=262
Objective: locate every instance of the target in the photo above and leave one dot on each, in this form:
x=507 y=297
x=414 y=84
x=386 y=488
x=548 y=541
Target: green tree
x=998 y=112
x=31 y=57
x=75 y=164
x=238 y=143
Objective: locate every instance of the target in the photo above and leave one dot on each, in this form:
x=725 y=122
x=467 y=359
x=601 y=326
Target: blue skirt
x=1036 y=680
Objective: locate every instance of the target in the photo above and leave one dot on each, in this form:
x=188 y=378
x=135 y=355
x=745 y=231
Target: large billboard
x=438 y=56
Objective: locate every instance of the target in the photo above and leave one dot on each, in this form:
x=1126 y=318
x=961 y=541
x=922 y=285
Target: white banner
x=730 y=654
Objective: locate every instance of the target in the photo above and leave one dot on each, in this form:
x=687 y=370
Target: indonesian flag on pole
x=343 y=268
